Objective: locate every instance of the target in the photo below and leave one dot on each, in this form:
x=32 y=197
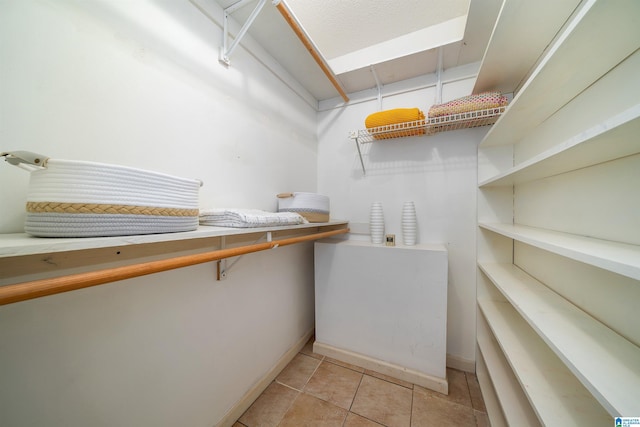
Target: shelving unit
x=512 y=399
x=429 y=126
x=557 y=395
x=553 y=84
x=584 y=344
x=568 y=141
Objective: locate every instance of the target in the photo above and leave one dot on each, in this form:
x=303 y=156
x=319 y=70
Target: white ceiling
x=338 y=28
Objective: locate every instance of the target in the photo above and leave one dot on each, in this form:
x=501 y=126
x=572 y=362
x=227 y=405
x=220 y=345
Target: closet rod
x=10 y=294
x=310 y=47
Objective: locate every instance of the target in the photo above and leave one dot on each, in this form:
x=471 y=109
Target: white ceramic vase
x=409 y=224
x=376 y=223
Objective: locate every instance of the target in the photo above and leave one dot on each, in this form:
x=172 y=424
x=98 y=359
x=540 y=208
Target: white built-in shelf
x=552 y=83
x=555 y=393
x=607 y=364
x=19 y=244
x=513 y=401
x=574 y=108
x=612 y=139
x=429 y=126
x=620 y=258
x=523 y=29
x=489 y=395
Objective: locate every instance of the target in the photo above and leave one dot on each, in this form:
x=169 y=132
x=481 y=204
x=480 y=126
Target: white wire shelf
x=429 y=126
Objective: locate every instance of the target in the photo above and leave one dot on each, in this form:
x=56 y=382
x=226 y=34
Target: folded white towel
x=248 y=218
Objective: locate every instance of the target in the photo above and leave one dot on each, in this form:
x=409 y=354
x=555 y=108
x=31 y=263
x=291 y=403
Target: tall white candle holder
x=376 y=223
x=409 y=224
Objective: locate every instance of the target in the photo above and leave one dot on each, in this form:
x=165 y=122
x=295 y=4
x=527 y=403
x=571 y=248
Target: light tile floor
x=314 y=390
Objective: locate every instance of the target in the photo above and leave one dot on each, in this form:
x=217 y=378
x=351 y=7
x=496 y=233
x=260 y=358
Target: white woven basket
x=69 y=198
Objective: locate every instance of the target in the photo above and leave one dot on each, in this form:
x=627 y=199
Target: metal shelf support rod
x=364 y=172
x=378 y=85
x=439 y=76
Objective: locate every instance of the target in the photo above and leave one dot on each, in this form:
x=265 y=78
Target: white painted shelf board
x=554 y=392
x=514 y=403
x=556 y=73
x=536 y=24
x=19 y=244
x=607 y=364
x=489 y=395
x=620 y=258
x=612 y=139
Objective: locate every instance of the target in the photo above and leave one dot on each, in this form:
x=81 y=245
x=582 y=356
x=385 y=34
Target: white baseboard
x=250 y=396
x=440 y=385
x=461 y=364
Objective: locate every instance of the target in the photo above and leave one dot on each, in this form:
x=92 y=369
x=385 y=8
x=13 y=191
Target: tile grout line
x=354 y=398
x=472 y=401
x=362 y=375
x=287 y=386
x=413 y=396
x=288 y=407
x=312 y=374
x=301 y=391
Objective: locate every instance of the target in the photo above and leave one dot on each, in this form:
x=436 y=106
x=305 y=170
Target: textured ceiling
x=342 y=26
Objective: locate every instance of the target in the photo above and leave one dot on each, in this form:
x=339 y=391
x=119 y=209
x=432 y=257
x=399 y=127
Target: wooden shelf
x=552 y=83
x=554 y=391
x=609 y=140
x=20 y=244
x=584 y=344
x=620 y=258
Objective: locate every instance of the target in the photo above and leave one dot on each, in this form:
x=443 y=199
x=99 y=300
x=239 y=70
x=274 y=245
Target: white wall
x=171 y=349
x=438 y=173
x=138 y=83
